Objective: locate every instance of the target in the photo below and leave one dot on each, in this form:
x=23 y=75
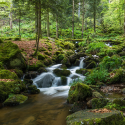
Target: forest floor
x=29 y=47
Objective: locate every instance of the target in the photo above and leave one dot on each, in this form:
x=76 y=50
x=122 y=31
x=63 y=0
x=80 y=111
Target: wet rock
x=28 y=81
x=45 y=81
x=66 y=62
x=90 y=64
x=33 y=89
x=60 y=72
x=63 y=80
x=94 y=117
x=77 y=62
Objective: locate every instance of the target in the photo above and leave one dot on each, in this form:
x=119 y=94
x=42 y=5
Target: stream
x=47 y=108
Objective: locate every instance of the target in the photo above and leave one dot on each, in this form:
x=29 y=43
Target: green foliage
x=96 y=75
x=113 y=62
x=95 y=47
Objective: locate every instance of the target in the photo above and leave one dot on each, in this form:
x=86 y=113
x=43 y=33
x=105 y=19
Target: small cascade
x=82 y=64
x=50 y=84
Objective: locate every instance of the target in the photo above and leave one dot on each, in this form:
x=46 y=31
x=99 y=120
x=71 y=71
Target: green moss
x=42 y=49
x=19 y=73
x=14 y=87
x=33 y=89
x=41 y=57
x=79 y=92
x=6 y=74
x=48 y=53
x=8 y=50
x=66 y=61
x=1 y=65
x=60 y=57
x=60 y=72
x=98 y=102
x=64 y=80
x=15 y=99
x=1 y=41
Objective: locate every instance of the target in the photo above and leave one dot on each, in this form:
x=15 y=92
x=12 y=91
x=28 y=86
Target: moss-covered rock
x=97 y=103
x=41 y=57
x=28 y=81
x=33 y=89
x=19 y=73
x=60 y=72
x=79 y=92
x=36 y=66
x=90 y=64
x=123 y=90
x=6 y=74
x=48 y=53
x=66 y=62
x=14 y=87
x=63 y=80
x=83 y=71
x=11 y=56
x=15 y=100
x=88 y=117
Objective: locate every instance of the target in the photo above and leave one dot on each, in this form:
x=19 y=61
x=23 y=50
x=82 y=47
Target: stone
x=123 y=90
x=45 y=81
x=92 y=117
x=97 y=95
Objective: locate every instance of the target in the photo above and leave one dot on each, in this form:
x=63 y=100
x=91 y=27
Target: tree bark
x=40 y=31
x=19 y=22
x=72 y=18
x=57 y=36
x=48 y=31
x=83 y=20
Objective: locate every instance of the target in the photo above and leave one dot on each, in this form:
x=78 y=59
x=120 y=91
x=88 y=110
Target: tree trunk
x=73 y=19
x=40 y=31
x=48 y=31
x=83 y=20
x=94 y=14
x=57 y=36
x=11 y=20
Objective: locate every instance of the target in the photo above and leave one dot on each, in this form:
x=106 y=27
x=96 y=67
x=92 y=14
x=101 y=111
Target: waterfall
x=82 y=64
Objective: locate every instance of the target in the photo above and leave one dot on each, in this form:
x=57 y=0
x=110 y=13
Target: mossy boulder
x=41 y=57
x=60 y=72
x=48 y=53
x=97 y=103
x=83 y=71
x=19 y=73
x=6 y=74
x=8 y=87
x=11 y=56
x=28 y=81
x=89 y=117
x=96 y=95
x=15 y=100
x=79 y=92
x=66 y=62
x=33 y=89
x=59 y=58
x=30 y=75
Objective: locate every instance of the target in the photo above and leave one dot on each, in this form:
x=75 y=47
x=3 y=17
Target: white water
x=108 y=44
x=61 y=90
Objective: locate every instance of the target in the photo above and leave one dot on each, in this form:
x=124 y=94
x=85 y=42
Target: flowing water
x=47 y=108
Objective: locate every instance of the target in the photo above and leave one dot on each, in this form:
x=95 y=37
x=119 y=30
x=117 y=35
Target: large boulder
x=96 y=117
x=33 y=89
x=11 y=56
x=79 y=92
x=45 y=81
x=96 y=95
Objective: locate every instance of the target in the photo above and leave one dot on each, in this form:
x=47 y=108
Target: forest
x=62 y=62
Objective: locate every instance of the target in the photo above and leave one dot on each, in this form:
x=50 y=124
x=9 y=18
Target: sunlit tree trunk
x=94 y=14
x=48 y=31
x=124 y=17
x=40 y=31
x=19 y=22
x=11 y=19
x=73 y=9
